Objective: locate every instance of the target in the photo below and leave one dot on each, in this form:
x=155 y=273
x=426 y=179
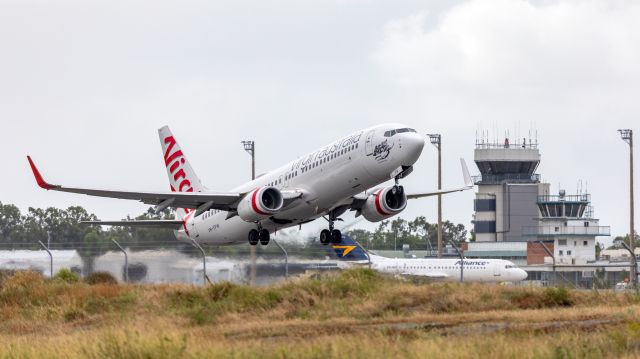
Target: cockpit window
x=399 y=130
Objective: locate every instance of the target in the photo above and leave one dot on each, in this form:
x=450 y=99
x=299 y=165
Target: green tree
x=93 y=245
x=362 y=236
x=10 y=222
x=33 y=227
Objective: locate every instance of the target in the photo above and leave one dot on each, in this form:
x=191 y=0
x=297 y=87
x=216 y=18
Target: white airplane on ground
x=448 y=269
x=326 y=182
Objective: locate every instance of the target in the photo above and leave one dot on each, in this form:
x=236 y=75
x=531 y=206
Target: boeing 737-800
x=446 y=269
x=338 y=177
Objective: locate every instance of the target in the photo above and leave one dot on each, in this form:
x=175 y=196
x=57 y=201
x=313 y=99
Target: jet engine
x=260 y=203
x=384 y=203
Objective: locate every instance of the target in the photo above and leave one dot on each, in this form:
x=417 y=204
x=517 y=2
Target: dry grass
x=354 y=314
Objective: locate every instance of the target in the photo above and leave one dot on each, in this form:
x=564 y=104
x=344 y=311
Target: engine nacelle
x=260 y=203
x=384 y=203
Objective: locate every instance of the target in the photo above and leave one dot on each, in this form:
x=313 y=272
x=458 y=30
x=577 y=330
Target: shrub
x=66 y=275
x=558 y=296
x=74 y=314
x=24 y=287
x=100 y=278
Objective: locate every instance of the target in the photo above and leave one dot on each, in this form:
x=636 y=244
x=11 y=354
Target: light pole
x=50 y=258
x=436 y=140
x=126 y=261
x=250 y=147
x=205 y=277
x=634 y=262
x=627 y=136
x=453 y=244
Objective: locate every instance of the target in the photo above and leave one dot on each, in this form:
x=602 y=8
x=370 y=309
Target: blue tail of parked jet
x=349 y=250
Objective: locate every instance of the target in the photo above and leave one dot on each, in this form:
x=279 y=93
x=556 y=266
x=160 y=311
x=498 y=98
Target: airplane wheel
x=264 y=237
x=336 y=236
x=253 y=237
x=325 y=236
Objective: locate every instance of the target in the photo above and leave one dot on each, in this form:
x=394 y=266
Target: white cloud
x=515 y=43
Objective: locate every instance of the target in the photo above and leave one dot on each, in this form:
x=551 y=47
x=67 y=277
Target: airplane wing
x=468 y=184
x=140 y=223
x=211 y=200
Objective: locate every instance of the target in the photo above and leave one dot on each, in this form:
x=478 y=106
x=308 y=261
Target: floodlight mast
x=436 y=140
x=627 y=136
x=250 y=148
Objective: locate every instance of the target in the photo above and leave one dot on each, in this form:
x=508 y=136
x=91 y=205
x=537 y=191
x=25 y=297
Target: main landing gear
x=331 y=235
x=259 y=235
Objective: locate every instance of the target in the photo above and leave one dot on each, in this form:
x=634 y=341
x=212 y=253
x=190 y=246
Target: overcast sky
x=84 y=86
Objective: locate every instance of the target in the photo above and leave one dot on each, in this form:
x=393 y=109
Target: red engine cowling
x=384 y=203
x=260 y=203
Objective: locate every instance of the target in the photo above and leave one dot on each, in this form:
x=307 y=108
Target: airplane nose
x=521 y=274
x=412 y=145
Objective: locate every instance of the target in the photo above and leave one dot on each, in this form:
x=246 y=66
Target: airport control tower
x=568 y=220
x=508 y=189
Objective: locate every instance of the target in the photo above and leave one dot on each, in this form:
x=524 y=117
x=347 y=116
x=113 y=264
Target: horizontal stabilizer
x=154 y=223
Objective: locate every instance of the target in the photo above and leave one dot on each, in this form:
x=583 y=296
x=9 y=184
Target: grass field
x=353 y=314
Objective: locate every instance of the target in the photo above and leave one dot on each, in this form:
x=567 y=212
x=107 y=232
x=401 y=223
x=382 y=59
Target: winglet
x=465 y=173
x=41 y=182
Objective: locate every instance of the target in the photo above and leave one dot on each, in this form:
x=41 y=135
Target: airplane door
x=368 y=144
x=496 y=269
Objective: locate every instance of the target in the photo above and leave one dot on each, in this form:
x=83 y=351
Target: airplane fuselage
x=326 y=179
x=448 y=269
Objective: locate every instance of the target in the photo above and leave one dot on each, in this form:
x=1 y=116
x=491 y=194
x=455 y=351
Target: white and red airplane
x=327 y=182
